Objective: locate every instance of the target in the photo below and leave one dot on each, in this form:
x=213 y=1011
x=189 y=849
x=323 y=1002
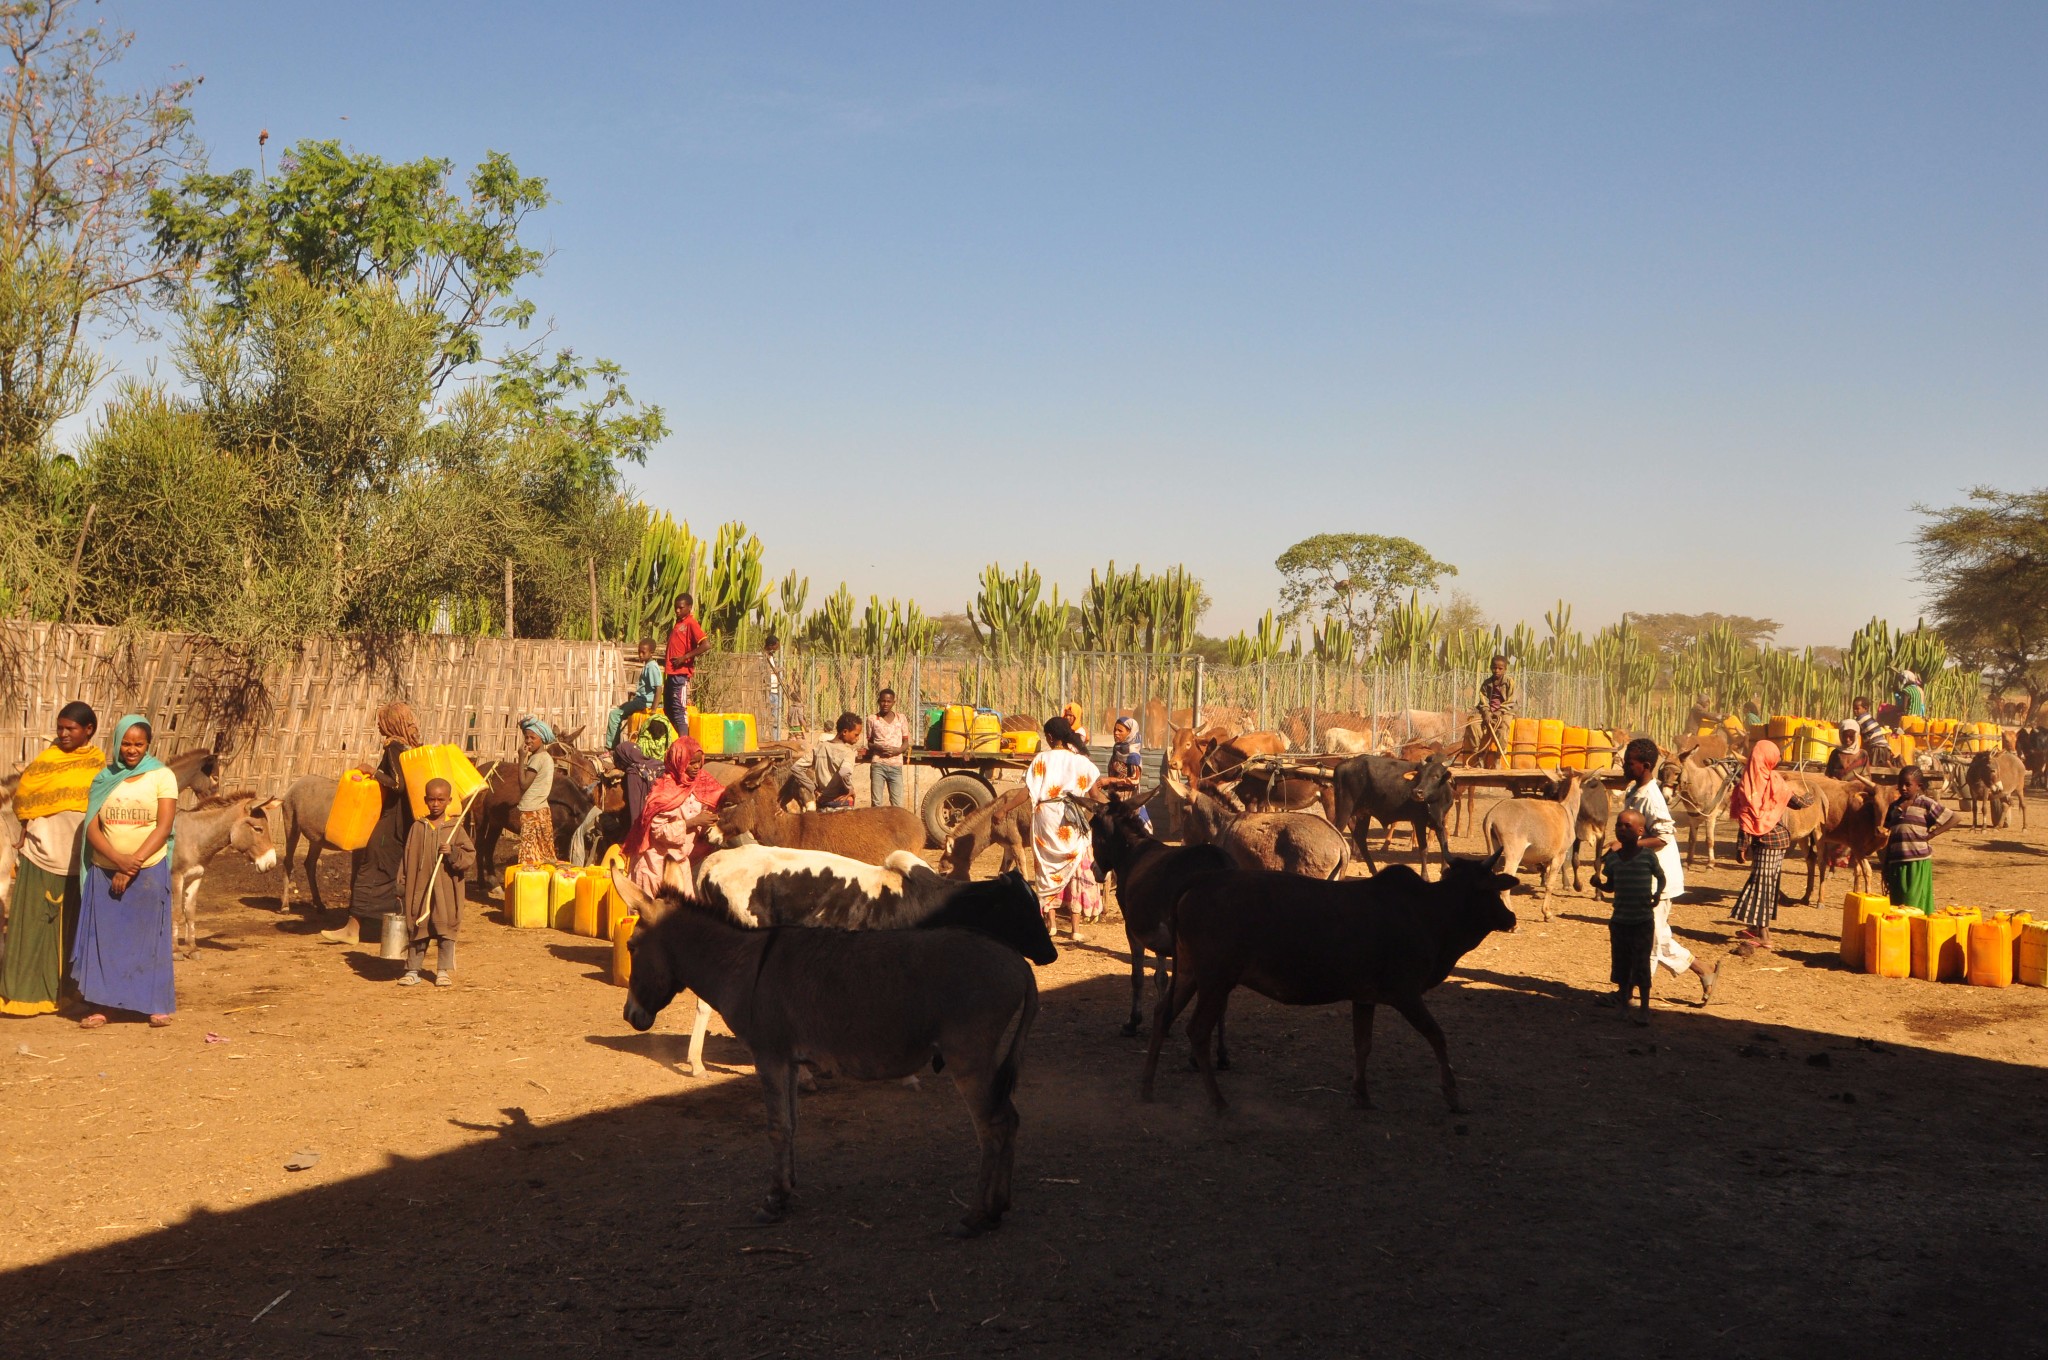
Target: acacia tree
x=1985 y=566
x=78 y=163
x=1355 y=578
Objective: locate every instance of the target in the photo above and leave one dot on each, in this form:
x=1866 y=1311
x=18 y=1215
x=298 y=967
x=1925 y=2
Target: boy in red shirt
x=685 y=640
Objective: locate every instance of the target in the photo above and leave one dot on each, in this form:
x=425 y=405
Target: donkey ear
x=650 y=909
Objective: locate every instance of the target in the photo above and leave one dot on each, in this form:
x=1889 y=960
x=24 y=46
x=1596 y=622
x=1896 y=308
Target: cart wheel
x=952 y=801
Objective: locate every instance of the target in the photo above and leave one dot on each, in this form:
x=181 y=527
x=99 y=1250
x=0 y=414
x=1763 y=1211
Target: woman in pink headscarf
x=1759 y=803
x=663 y=844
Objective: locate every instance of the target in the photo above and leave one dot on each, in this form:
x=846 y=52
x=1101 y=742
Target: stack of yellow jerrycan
x=1888 y=944
x=423 y=764
x=1857 y=908
x=1973 y=738
x=358 y=801
x=724 y=734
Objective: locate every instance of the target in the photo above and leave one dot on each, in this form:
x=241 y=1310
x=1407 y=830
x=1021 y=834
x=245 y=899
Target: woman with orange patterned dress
x=1059 y=781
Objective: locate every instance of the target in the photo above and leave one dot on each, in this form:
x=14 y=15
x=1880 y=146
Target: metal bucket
x=397 y=939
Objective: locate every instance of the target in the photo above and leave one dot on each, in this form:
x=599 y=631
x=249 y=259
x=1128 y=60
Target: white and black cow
x=765 y=886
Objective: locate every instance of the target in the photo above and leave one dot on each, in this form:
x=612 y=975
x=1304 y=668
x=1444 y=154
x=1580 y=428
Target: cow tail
x=1005 y=1082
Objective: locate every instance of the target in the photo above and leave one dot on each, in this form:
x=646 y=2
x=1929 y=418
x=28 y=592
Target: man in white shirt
x=888 y=737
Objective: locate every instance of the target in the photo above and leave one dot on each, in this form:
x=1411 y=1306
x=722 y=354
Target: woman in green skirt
x=50 y=800
x=1914 y=821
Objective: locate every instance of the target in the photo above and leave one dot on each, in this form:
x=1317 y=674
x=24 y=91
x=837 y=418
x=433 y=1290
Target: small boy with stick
x=438 y=854
x=1636 y=879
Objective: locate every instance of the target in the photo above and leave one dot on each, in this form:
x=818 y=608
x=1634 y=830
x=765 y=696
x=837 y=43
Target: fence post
x=1195 y=715
x=1314 y=693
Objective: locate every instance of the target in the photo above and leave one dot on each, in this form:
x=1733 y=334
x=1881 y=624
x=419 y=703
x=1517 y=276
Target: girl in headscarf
x=373 y=882
x=1913 y=822
x=645 y=698
x=536 y=783
x=50 y=802
x=664 y=843
x=122 y=956
x=1759 y=803
x=1059 y=781
x=1071 y=712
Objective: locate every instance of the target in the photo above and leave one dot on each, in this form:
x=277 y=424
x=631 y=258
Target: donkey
x=1150 y=878
x=761 y=885
x=1388 y=938
x=873 y=1004
x=752 y=806
x=234 y=821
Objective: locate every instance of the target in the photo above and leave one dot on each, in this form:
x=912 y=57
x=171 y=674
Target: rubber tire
x=960 y=794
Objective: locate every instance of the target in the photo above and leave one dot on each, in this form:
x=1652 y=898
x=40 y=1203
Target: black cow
x=1308 y=942
x=1383 y=789
x=2031 y=745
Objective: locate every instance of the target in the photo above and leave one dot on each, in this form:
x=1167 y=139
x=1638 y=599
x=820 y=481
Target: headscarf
x=672 y=790
x=529 y=723
x=1760 y=799
x=395 y=722
x=113 y=774
x=57 y=781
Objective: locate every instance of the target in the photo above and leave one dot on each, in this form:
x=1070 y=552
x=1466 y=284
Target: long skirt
x=537 y=836
x=1757 y=905
x=122 y=957
x=40 y=927
x=1911 y=884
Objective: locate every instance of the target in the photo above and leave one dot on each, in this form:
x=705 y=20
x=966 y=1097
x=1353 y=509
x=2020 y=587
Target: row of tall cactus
x=1268 y=642
x=1132 y=612
x=1011 y=617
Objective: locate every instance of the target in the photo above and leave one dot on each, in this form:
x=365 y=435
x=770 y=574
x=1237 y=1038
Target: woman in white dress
x=1059 y=781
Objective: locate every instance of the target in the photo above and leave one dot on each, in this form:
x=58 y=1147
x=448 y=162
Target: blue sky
x=1649 y=306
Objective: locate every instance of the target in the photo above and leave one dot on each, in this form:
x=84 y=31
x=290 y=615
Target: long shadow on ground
x=1708 y=1186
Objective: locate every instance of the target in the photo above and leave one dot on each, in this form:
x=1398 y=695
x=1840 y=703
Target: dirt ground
x=1820 y=1159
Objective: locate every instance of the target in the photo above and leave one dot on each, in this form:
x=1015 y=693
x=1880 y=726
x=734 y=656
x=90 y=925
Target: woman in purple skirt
x=122 y=957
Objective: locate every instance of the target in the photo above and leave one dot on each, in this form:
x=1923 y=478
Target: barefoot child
x=1636 y=879
x=438 y=853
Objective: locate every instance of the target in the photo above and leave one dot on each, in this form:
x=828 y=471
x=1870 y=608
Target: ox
x=874 y=1005
x=1369 y=788
x=1389 y=938
x=1285 y=842
x=1150 y=878
x=758 y=886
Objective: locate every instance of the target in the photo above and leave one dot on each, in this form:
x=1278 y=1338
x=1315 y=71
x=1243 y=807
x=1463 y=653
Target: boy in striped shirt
x=1635 y=878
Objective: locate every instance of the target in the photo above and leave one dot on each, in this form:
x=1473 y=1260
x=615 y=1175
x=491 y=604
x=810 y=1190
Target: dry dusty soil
x=1819 y=1163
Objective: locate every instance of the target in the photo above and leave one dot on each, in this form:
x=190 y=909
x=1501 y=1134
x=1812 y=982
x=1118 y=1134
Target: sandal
x=159 y=1022
x=93 y=1021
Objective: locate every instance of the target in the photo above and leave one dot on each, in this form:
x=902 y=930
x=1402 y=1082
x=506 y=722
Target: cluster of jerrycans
x=1955 y=944
x=575 y=901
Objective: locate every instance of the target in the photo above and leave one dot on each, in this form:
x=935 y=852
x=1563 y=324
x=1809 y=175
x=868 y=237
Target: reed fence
x=316 y=714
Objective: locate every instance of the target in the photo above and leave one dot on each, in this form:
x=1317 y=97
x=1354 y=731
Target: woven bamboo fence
x=315 y=715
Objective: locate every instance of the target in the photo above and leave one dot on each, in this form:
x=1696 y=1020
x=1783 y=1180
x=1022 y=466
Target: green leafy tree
x=342 y=219
x=1354 y=577
x=1985 y=566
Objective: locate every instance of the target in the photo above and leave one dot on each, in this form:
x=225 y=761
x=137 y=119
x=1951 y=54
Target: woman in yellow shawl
x=50 y=801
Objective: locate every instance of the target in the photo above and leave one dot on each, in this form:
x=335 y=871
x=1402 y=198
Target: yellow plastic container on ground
x=358 y=801
x=622 y=953
x=1856 y=909
x=985 y=730
x=1018 y=743
x=611 y=907
x=2033 y=955
x=588 y=905
x=526 y=899
x=1990 y=955
x=955 y=726
x=1522 y=744
x=1937 y=951
x=422 y=764
x=2014 y=923
x=1549 y=743
x=562 y=881
x=1888 y=945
